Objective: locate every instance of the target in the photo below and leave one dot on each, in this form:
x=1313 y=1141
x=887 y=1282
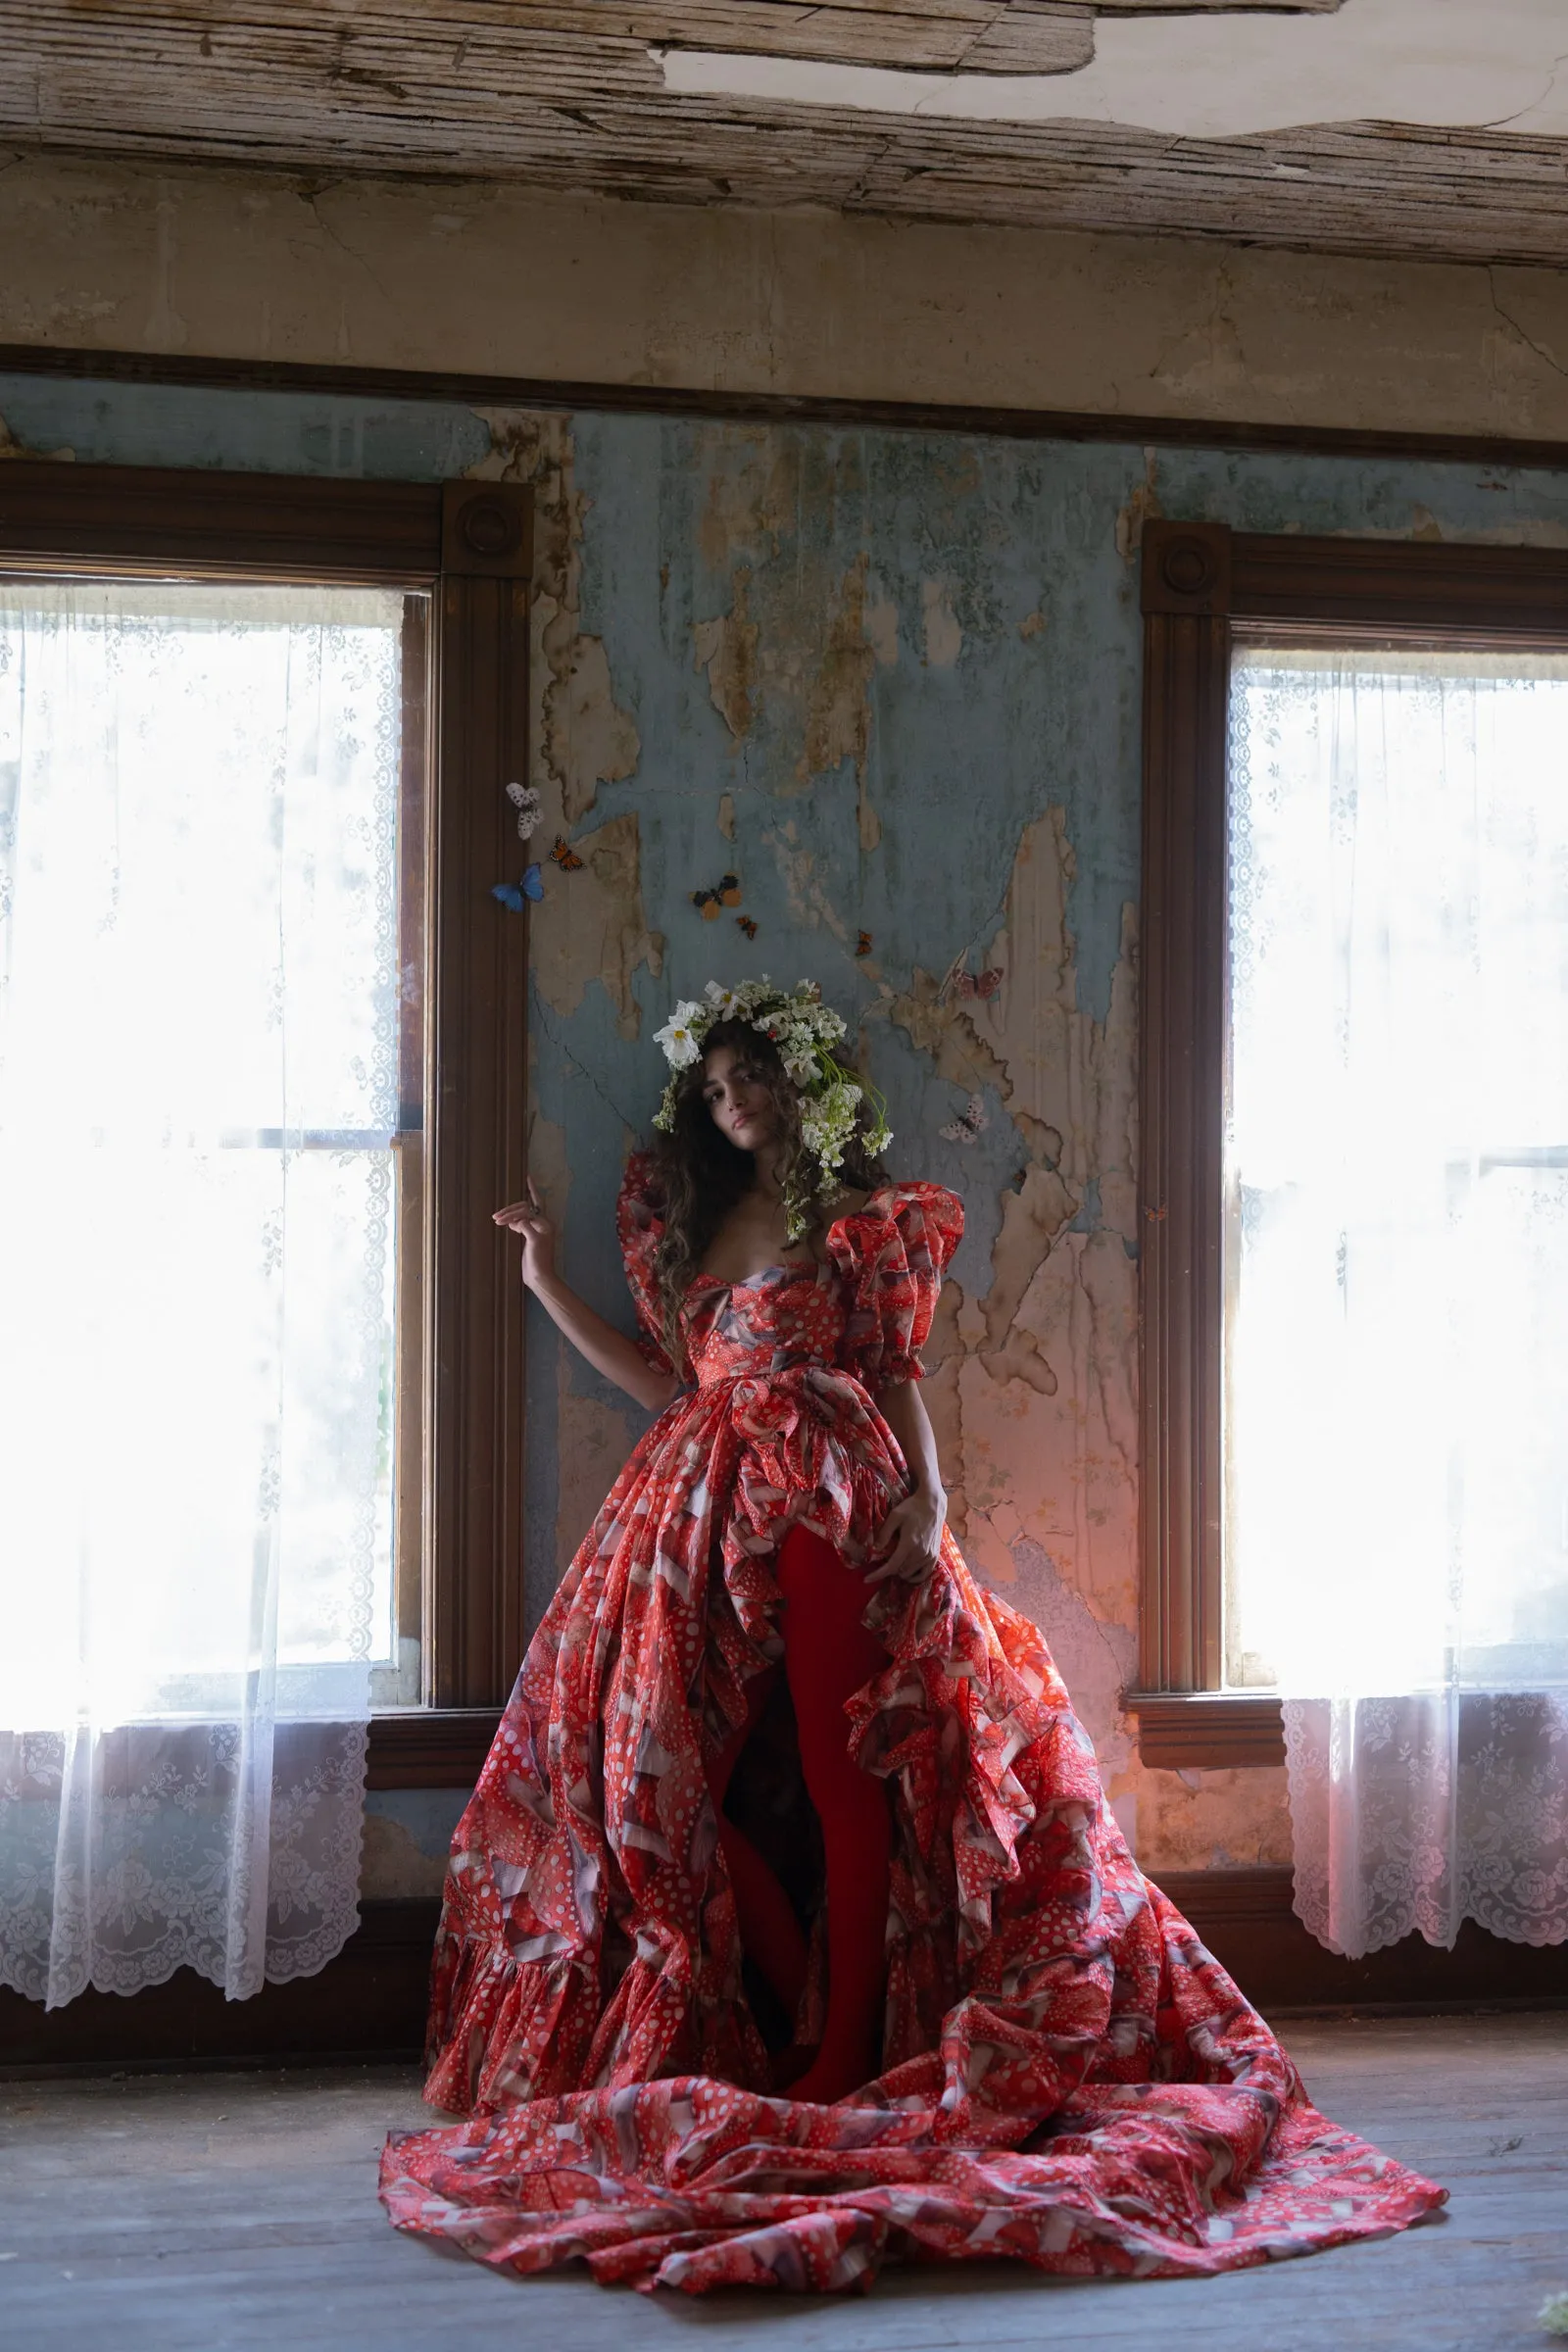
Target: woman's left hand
x=909 y=1541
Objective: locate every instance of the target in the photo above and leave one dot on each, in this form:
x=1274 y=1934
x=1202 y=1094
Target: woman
x=788 y=1924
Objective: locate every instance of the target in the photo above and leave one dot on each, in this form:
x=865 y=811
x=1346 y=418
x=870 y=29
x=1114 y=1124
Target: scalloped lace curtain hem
x=1412 y=1814
x=232 y=1849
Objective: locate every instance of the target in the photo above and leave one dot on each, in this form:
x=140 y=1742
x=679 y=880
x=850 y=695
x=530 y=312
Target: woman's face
x=738 y=1100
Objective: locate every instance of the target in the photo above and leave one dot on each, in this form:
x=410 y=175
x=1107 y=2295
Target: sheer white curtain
x=1396 y=1358
x=198 y=1028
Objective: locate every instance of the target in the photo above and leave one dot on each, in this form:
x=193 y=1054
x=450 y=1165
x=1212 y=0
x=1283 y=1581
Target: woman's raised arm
x=608 y=1350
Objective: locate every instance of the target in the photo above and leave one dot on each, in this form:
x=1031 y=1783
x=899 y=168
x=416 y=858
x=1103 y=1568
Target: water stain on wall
x=12 y=445
x=594 y=927
x=1142 y=505
x=583 y=738
x=829 y=630
x=727 y=648
x=944 y=637
x=838 y=711
x=1033 y=1385
x=407 y=1836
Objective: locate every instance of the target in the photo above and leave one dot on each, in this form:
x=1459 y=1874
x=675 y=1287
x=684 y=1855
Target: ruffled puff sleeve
x=640 y=1227
x=890 y=1255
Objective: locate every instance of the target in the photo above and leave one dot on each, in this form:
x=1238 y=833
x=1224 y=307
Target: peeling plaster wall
x=892 y=682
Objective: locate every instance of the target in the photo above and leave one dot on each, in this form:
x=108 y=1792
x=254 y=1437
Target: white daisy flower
x=680 y=1038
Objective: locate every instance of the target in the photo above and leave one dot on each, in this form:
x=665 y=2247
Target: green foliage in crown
x=805 y=1032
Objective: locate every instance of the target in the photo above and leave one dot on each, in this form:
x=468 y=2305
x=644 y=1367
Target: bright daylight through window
x=201 y=1061
x=1397 y=1171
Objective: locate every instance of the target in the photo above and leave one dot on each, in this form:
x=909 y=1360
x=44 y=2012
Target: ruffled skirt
x=1068 y=2077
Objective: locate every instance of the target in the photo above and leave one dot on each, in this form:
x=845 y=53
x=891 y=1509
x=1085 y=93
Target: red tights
x=828 y=1655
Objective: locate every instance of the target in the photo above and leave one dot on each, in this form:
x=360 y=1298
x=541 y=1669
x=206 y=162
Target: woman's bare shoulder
x=847 y=1202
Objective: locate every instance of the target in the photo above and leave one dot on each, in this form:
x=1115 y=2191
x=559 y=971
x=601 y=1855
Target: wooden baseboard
x=1245 y=1917
x=370 y=2002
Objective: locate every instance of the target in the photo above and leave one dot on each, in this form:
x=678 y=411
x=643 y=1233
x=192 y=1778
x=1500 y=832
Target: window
x=395 y=616
x=1355 y=1121
x=1396 y=1165
x=210 y=1073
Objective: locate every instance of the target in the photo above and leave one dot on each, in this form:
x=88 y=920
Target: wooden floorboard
x=227 y=2213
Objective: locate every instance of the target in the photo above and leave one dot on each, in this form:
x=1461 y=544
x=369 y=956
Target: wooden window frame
x=469 y=545
x=1203 y=587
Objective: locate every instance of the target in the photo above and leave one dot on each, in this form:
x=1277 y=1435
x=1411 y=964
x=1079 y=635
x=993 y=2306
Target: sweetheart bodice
x=864 y=1312
x=774 y=1322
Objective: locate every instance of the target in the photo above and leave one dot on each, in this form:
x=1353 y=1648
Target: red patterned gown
x=1068 y=2077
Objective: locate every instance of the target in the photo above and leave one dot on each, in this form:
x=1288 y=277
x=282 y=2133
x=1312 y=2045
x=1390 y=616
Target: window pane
x=199 y=1062
x=1397 y=1169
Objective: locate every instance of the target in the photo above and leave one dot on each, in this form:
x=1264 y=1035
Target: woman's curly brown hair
x=701 y=1175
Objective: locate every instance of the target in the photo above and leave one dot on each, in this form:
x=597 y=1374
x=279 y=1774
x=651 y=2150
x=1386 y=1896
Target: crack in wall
x=312 y=196
x=1513 y=324
x=553 y=1029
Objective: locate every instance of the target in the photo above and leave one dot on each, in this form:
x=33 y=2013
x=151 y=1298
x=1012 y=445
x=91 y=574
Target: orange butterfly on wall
x=726 y=892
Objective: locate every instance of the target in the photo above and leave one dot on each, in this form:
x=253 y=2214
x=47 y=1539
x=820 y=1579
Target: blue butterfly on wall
x=514 y=894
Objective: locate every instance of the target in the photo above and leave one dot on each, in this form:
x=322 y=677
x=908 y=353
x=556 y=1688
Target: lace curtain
x=198 y=1030
x=1397 y=1358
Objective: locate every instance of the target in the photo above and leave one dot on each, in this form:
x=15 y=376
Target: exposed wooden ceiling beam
x=565 y=93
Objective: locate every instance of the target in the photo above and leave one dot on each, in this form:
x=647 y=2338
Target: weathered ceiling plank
x=566 y=92
x=939 y=35
x=1031 y=36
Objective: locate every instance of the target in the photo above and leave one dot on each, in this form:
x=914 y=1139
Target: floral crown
x=805 y=1031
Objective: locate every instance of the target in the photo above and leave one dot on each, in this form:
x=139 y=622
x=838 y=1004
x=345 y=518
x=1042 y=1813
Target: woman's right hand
x=528 y=1220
